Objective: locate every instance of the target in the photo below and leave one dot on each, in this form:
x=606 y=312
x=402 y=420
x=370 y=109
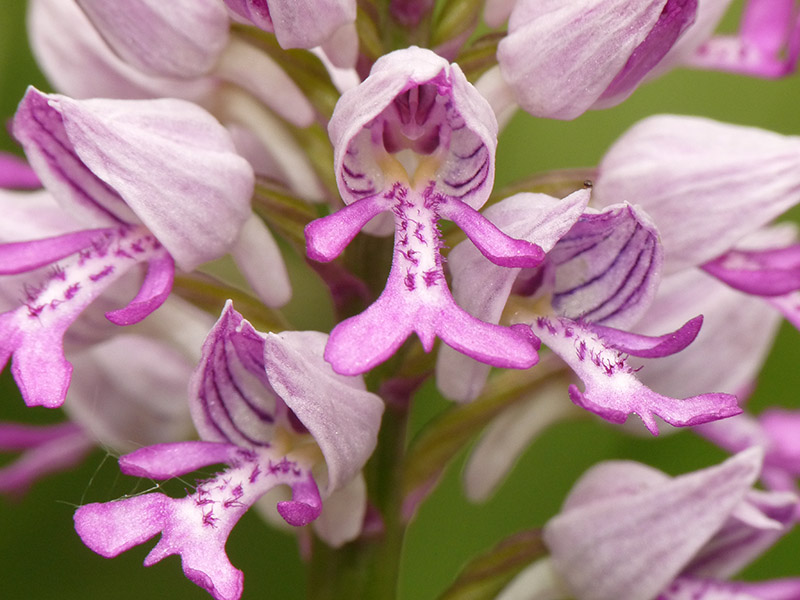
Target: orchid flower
x=709 y=187
x=150 y=182
x=630 y=531
x=117 y=405
x=417 y=140
x=599 y=277
x=271 y=409
x=563 y=58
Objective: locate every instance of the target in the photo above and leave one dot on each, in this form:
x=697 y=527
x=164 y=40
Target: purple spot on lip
x=409 y=281
x=71 y=291
x=107 y=270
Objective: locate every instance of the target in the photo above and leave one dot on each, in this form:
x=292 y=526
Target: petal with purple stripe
x=607 y=267
x=230 y=397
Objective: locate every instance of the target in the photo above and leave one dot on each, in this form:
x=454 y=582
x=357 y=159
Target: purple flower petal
x=483 y=288
x=326 y=238
x=46 y=449
x=676 y=17
x=495 y=245
x=16 y=174
x=767 y=45
x=182 y=38
x=612 y=389
x=296 y=24
x=705 y=364
x=197 y=526
x=230 y=397
x=153 y=293
x=34 y=332
x=773 y=272
x=633 y=541
x=19 y=257
x=168 y=460
x=561 y=59
x=186 y=183
x=607 y=267
x=648 y=346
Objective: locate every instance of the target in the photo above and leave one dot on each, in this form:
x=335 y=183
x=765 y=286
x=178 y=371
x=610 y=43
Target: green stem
x=368 y=568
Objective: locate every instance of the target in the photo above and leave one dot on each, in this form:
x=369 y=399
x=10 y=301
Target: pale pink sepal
x=561 y=58
x=140 y=400
x=510 y=434
x=638 y=529
x=296 y=24
x=180 y=38
x=496 y=12
x=753 y=528
x=256 y=72
x=168 y=161
x=79 y=63
x=690 y=588
x=343 y=513
x=705 y=184
x=338 y=411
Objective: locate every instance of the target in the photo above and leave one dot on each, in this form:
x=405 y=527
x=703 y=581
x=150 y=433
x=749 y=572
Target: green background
x=41 y=557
